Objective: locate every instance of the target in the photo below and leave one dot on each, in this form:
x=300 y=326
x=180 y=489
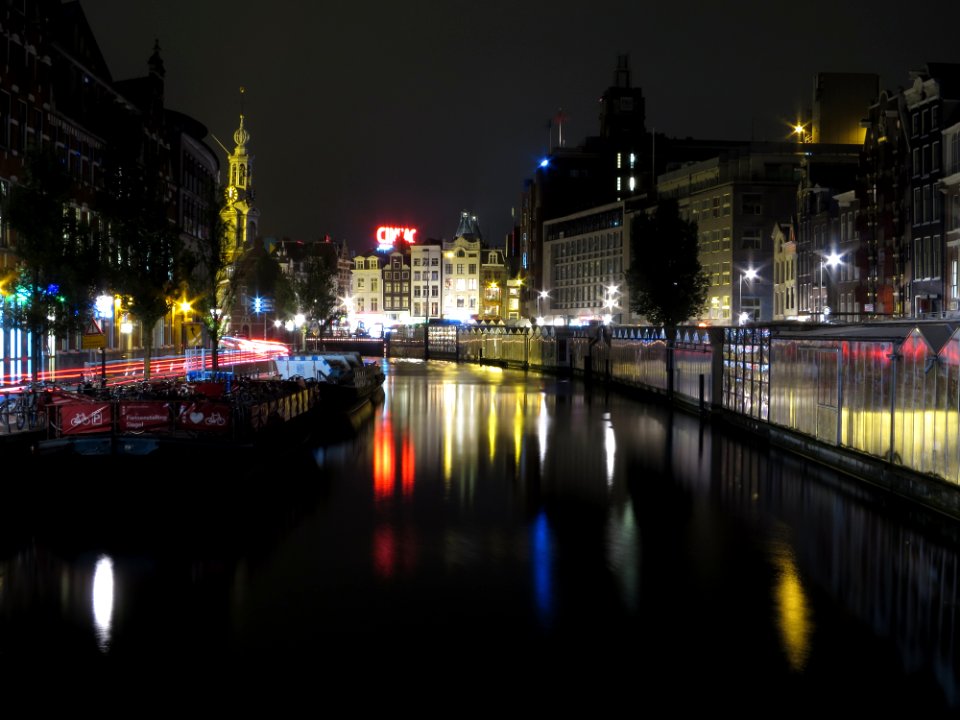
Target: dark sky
x=407 y=113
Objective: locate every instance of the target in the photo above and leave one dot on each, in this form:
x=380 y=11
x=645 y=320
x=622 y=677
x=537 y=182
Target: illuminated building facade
x=930 y=103
x=461 y=279
x=951 y=203
x=365 y=301
x=396 y=289
x=493 y=284
x=587 y=255
x=426 y=261
x=784 y=272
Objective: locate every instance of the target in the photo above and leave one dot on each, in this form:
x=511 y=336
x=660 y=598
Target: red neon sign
x=387 y=236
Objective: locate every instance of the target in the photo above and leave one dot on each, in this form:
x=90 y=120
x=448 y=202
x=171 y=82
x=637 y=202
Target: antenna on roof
x=220 y=143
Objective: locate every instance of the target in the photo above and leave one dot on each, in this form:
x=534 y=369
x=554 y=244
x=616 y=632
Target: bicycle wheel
x=7 y=410
x=21 y=412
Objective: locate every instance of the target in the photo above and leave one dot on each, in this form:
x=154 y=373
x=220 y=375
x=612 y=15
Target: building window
x=954 y=280
x=935 y=157
x=750 y=240
x=726 y=204
x=751 y=204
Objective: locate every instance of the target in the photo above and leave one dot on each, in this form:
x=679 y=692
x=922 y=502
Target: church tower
x=239 y=214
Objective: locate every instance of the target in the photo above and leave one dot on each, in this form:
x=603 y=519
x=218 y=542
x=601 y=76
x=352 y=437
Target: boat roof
x=935 y=332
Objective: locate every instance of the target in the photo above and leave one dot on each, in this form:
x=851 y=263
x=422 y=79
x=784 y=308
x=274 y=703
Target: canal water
x=490 y=541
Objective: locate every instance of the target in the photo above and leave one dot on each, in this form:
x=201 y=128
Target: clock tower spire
x=241 y=216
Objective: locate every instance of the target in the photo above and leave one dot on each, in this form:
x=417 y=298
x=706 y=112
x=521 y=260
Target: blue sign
x=262 y=305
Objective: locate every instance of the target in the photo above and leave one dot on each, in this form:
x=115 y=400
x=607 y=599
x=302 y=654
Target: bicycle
x=30 y=408
x=8 y=409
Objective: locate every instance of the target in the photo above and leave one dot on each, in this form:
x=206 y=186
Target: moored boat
x=202 y=416
x=344 y=377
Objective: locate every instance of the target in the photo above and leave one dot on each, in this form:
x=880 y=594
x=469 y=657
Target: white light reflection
x=624 y=552
x=543 y=425
x=609 y=446
x=103 y=601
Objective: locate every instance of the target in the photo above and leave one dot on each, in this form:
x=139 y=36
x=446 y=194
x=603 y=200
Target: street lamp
x=609 y=302
x=185 y=309
x=832 y=260
x=298 y=322
x=750 y=275
x=542 y=295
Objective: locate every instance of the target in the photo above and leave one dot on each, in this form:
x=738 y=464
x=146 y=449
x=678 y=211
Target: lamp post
x=750 y=274
x=185 y=310
x=541 y=295
x=831 y=261
x=609 y=302
x=298 y=322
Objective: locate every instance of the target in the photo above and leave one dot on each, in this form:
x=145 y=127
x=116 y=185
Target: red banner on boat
x=144 y=417
x=82 y=418
x=204 y=416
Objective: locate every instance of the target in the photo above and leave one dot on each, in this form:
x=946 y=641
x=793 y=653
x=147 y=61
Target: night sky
x=407 y=113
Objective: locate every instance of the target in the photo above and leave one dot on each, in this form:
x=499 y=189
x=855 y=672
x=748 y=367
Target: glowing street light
x=610 y=302
x=185 y=309
x=831 y=261
x=542 y=295
x=750 y=274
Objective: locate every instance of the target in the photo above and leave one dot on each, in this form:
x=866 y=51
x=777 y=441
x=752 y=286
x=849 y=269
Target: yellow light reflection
x=103 y=601
x=492 y=426
x=517 y=431
x=795 y=622
x=449 y=420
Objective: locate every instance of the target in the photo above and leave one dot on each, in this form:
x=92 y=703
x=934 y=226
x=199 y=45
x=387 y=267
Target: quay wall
x=880 y=402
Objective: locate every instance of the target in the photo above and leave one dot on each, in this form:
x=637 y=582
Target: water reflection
x=483 y=508
x=103 y=601
x=793 y=608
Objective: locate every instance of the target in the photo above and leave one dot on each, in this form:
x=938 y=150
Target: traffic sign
x=93 y=337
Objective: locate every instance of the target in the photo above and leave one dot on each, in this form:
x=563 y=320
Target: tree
x=667 y=283
x=147 y=245
x=57 y=256
x=210 y=274
x=315 y=288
